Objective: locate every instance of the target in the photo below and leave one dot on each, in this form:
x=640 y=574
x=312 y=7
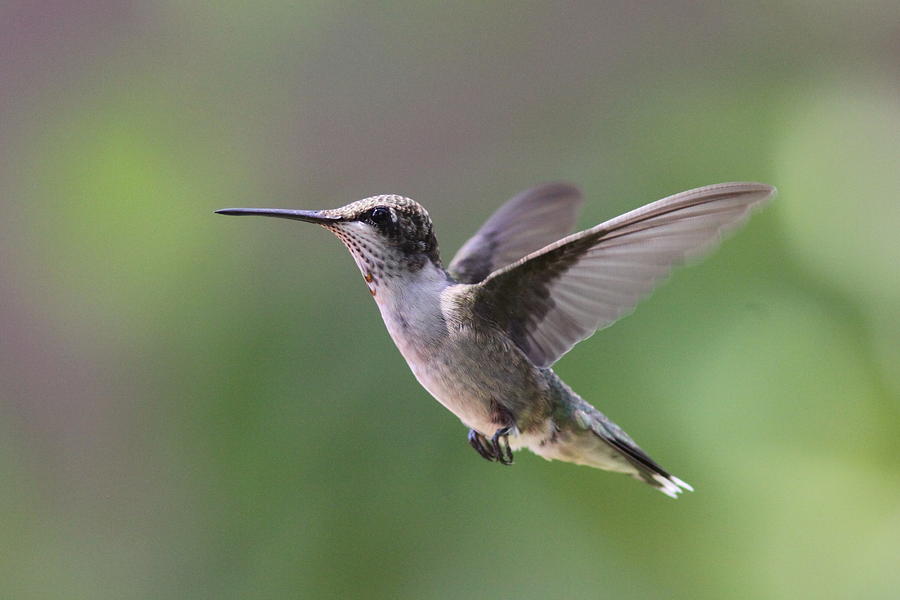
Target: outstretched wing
x=554 y=298
x=526 y=222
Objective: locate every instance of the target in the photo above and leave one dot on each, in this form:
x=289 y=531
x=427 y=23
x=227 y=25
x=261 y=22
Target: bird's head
x=388 y=236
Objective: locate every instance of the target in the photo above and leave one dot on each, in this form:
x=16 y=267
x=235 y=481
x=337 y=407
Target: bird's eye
x=380 y=215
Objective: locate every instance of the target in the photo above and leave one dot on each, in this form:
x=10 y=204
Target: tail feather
x=583 y=435
x=615 y=437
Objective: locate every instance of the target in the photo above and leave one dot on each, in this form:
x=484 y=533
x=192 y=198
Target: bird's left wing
x=527 y=221
x=553 y=298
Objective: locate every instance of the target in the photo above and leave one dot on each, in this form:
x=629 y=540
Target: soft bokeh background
x=200 y=407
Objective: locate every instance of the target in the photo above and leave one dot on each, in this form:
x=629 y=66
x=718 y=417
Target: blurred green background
x=200 y=407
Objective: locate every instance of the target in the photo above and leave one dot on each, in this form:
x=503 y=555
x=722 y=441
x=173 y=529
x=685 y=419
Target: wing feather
x=526 y=222
x=555 y=297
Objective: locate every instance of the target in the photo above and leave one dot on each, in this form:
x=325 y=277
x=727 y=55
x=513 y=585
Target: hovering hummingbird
x=482 y=334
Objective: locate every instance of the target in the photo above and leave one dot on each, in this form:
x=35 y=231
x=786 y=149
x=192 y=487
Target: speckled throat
x=401 y=245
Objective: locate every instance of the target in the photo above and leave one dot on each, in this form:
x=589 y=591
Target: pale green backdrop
x=200 y=407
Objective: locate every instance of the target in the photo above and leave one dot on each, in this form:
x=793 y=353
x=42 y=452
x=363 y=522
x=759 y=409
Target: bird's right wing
x=555 y=297
x=528 y=221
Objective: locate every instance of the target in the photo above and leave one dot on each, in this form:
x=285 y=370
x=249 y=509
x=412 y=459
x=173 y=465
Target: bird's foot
x=482 y=446
x=501 y=449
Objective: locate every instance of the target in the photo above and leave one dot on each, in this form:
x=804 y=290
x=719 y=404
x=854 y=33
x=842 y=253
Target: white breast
x=414 y=318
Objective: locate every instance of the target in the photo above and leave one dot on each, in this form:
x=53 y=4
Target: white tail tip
x=672 y=486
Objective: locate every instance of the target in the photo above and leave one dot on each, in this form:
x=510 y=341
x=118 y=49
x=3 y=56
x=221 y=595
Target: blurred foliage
x=207 y=408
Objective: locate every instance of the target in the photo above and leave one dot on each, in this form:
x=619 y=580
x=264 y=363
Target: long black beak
x=310 y=216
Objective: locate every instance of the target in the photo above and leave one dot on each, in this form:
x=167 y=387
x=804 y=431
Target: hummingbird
x=482 y=334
